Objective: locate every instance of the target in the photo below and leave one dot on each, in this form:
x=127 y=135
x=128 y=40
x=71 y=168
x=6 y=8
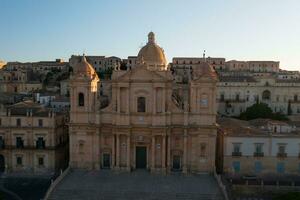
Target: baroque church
x=147 y=124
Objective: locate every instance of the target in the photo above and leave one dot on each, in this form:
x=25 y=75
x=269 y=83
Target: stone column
x=163 y=160
x=128 y=100
x=128 y=152
x=153 y=153
x=113 y=151
x=185 y=137
x=169 y=152
x=154 y=100
x=101 y=144
x=71 y=150
x=134 y=156
x=118 y=100
x=164 y=100
x=96 y=150
x=118 y=152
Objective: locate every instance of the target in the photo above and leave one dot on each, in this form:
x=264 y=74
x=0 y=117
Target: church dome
x=84 y=68
x=151 y=53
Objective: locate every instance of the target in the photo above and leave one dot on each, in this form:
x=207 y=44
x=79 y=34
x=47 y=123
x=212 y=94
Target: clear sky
x=33 y=30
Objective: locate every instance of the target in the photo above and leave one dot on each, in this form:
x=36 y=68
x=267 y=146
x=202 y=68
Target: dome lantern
x=152 y=55
x=151 y=37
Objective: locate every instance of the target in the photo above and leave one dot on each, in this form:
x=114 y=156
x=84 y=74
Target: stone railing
x=221 y=185
x=258 y=154
x=56 y=182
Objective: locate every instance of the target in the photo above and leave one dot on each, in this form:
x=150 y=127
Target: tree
x=49 y=76
x=288 y=196
x=261 y=110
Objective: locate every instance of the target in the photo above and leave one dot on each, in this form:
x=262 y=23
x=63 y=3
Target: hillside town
x=238 y=120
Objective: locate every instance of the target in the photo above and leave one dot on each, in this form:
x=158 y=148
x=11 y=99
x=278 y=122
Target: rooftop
x=22 y=109
x=256 y=127
x=237 y=79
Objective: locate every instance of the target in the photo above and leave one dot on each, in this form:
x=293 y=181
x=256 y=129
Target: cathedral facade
x=150 y=122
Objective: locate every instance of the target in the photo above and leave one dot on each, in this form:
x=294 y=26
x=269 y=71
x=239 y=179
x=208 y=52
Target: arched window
x=141 y=104
x=80 y=99
x=266 y=95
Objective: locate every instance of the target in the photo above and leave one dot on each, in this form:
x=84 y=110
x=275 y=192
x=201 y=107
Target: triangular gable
x=205 y=78
x=141 y=73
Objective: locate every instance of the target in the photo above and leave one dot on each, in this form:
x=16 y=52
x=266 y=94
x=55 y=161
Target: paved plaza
x=138 y=185
x=29 y=187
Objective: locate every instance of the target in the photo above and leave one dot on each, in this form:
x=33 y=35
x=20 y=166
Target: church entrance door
x=2 y=163
x=141 y=157
x=176 y=163
x=106 y=160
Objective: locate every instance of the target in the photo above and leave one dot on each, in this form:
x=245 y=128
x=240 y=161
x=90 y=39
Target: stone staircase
x=131 y=196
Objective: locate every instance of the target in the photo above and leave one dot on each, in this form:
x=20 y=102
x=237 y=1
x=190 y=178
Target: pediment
x=205 y=78
x=141 y=74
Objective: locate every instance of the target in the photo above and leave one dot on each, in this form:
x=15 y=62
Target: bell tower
x=83 y=93
x=82 y=126
x=203 y=93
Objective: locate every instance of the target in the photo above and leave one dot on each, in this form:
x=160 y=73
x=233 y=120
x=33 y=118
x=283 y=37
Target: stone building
x=237 y=92
x=243 y=83
x=33 y=139
x=252 y=66
x=18 y=81
x=259 y=147
x=182 y=67
x=100 y=63
x=144 y=125
x=41 y=67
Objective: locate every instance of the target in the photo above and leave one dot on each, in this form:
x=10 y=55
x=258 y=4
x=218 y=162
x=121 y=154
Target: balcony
x=236 y=154
x=31 y=147
x=281 y=155
x=258 y=154
x=228 y=101
x=28 y=126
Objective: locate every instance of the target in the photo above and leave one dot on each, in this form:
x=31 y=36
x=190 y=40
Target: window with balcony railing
x=2 y=145
x=18 y=122
x=281 y=151
x=258 y=150
x=40 y=123
x=19 y=142
x=236 y=149
x=40 y=143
